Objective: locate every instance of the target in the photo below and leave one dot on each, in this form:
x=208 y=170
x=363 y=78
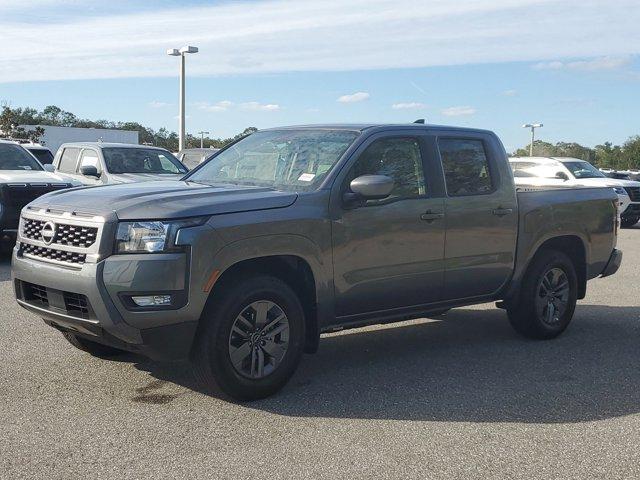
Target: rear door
x=481 y=215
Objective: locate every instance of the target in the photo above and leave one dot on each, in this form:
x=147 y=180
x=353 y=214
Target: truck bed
x=588 y=213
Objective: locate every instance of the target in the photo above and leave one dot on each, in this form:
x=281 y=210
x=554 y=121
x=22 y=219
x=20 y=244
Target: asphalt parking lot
x=460 y=396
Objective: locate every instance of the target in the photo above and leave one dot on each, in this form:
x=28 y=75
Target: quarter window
x=69 y=160
x=398 y=158
x=466 y=168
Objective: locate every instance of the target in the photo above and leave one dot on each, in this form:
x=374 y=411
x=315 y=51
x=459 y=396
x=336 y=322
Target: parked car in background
x=22 y=179
x=296 y=231
x=43 y=154
x=96 y=163
x=573 y=171
x=192 y=157
x=618 y=175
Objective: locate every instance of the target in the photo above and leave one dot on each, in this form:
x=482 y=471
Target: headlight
x=151 y=236
x=620 y=190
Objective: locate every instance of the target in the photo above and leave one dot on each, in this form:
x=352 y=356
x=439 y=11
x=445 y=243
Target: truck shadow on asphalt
x=468 y=366
x=5 y=266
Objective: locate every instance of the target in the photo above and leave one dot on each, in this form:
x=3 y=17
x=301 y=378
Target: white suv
x=565 y=171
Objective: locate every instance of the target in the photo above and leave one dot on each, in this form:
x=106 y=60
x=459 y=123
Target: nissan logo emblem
x=48 y=232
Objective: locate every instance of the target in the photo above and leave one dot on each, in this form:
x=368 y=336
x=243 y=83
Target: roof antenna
x=420 y=121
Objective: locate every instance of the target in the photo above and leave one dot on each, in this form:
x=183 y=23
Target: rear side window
x=465 y=165
x=69 y=160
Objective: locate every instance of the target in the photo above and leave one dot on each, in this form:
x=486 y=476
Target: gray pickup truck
x=292 y=232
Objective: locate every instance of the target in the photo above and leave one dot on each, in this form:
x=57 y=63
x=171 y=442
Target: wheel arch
x=293 y=259
x=572 y=245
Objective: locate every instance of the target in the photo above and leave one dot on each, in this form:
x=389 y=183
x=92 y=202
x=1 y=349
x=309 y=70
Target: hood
x=144 y=177
x=164 y=200
x=33 y=176
x=606 y=182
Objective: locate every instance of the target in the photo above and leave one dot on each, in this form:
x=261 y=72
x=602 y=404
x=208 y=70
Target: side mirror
x=48 y=167
x=562 y=176
x=89 y=171
x=369 y=187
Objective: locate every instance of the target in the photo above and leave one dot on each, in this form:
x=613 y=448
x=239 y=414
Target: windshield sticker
x=306 y=177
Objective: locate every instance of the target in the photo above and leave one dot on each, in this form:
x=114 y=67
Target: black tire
x=526 y=316
x=93 y=348
x=211 y=357
x=628 y=222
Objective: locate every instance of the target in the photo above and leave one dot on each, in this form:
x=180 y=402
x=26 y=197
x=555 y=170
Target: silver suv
x=96 y=163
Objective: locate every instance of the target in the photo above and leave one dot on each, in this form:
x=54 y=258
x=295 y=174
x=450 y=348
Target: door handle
x=501 y=212
x=430 y=216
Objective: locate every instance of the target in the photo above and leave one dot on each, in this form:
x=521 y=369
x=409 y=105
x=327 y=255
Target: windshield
x=282 y=159
x=141 y=160
x=14 y=157
x=43 y=155
x=533 y=169
x=583 y=170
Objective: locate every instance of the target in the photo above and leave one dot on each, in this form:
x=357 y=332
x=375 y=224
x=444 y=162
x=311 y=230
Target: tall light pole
x=175 y=52
x=533 y=127
x=202 y=134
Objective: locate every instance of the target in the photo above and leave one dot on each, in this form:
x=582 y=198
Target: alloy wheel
x=259 y=339
x=553 y=296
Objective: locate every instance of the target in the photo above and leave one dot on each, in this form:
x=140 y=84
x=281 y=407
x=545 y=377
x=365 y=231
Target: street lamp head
x=189 y=49
x=532 y=125
x=173 y=52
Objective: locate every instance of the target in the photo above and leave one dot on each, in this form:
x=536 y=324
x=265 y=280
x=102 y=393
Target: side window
x=69 y=160
x=465 y=165
x=398 y=158
x=89 y=157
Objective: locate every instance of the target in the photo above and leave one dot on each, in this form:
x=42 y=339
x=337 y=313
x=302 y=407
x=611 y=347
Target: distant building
x=53 y=137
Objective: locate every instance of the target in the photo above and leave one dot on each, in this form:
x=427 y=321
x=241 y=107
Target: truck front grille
x=65 y=234
x=634 y=193
x=36 y=294
x=70 y=303
x=53 y=254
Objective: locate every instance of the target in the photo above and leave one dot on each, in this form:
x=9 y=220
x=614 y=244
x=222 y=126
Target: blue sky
x=493 y=64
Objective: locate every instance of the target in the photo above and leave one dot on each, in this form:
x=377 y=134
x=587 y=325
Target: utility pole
x=202 y=134
x=175 y=52
x=533 y=127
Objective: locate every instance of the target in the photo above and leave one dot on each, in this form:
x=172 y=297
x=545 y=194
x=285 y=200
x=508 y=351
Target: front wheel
x=628 y=222
x=548 y=296
x=252 y=338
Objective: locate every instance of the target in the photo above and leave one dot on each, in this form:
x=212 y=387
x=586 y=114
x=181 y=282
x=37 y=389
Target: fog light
x=152 y=300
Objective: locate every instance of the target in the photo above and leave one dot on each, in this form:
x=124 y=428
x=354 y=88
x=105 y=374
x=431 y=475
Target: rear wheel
x=94 y=348
x=628 y=222
x=548 y=296
x=252 y=338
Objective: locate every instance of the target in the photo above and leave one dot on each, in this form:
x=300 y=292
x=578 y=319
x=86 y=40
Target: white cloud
x=458 y=111
x=262 y=107
x=510 y=93
x=591 y=65
x=221 y=106
x=157 y=104
x=354 y=97
x=225 y=105
x=408 y=106
x=332 y=35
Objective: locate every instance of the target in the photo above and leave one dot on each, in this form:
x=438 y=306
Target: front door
x=389 y=253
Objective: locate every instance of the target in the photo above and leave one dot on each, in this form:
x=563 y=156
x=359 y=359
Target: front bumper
x=633 y=210
x=102 y=289
x=613 y=264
